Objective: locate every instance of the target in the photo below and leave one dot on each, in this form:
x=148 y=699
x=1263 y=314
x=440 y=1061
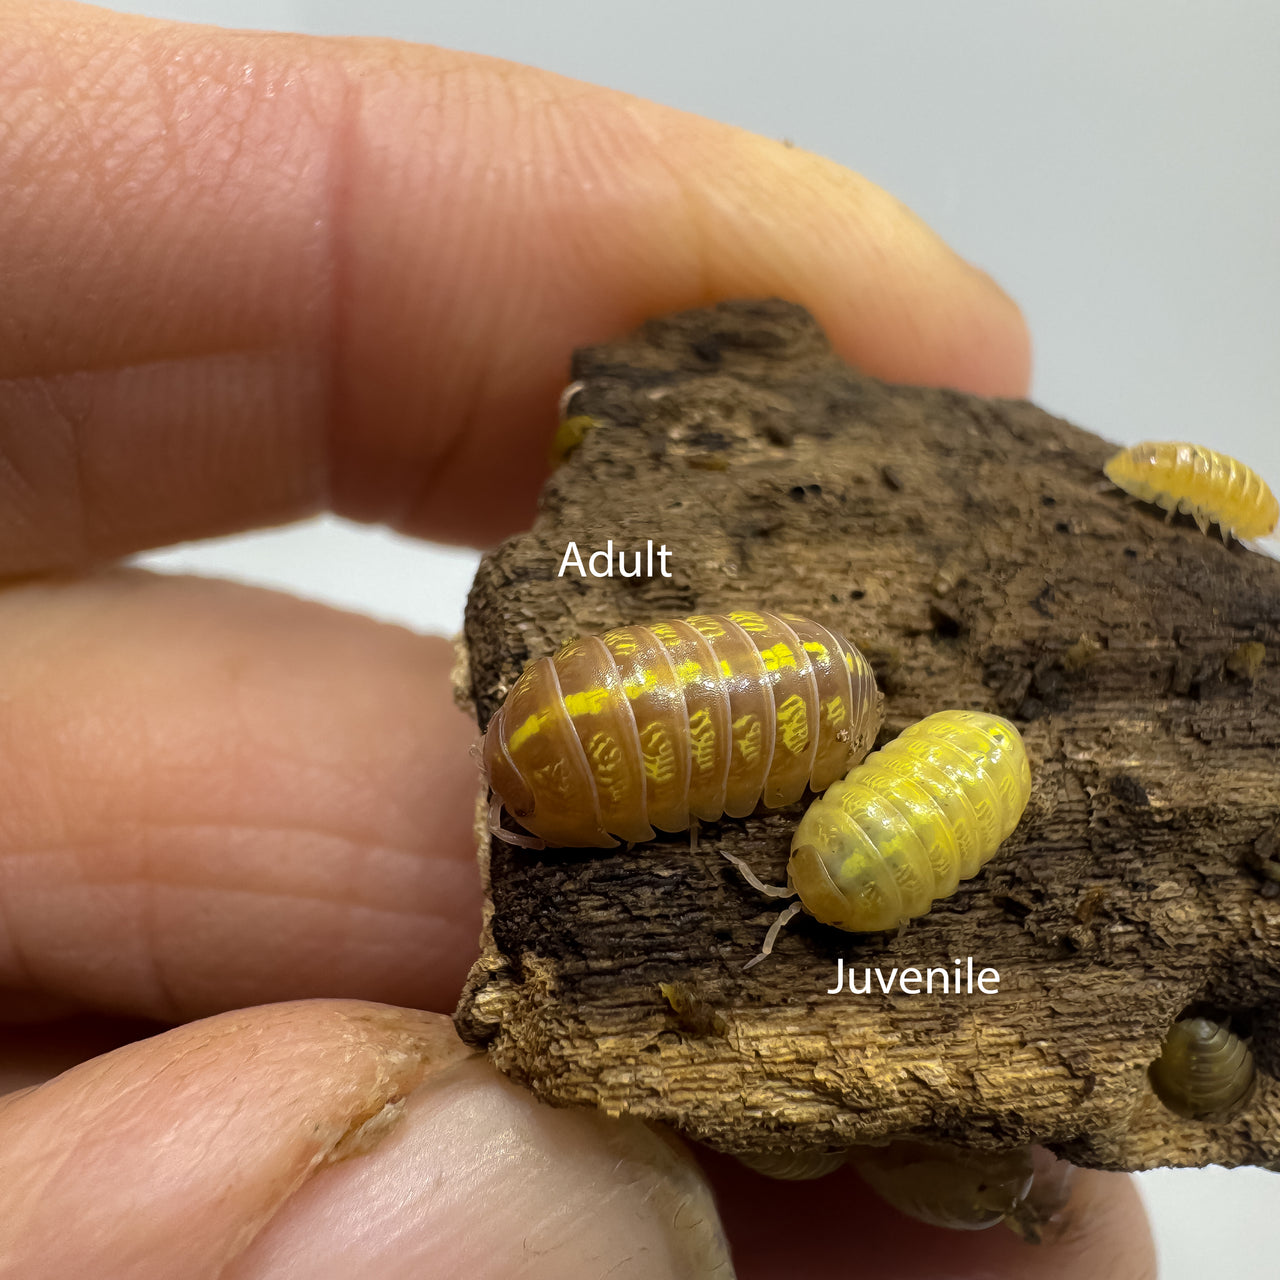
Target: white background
x=1114 y=163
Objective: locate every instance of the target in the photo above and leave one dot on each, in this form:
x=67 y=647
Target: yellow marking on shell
x=834 y=710
x=748 y=737
x=526 y=729
x=749 y=620
x=666 y=633
x=726 y=670
x=589 y=702
x=707 y=627
x=689 y=672
x=793 y=724
x=815 y=647
x=641 y=684
x=659 y=753
x=778 y=657
x=610 y=771
x=702 y=739
x=552 y=778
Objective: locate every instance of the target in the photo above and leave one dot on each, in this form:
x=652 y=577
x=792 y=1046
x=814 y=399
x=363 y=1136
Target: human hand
x=248 y=277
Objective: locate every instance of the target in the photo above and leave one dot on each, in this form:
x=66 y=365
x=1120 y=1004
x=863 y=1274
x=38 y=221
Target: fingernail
x=477 y=1178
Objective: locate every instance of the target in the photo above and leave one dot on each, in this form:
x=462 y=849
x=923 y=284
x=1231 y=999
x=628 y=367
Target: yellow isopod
x=693 y=718
x=926 y=811
x=1199 y=482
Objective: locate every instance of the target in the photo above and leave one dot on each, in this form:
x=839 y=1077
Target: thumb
x=333 y=1139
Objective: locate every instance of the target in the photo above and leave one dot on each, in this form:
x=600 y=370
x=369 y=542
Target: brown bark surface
x=974 y=551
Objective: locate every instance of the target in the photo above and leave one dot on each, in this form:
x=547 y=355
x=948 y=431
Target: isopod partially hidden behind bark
x=1203 y=1071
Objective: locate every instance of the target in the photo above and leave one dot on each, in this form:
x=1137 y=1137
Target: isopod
x=1203 y=1070
x=1199 y=482
x=947 y=1186
x=926 y=811
x=794 y=1166
x=693 y=718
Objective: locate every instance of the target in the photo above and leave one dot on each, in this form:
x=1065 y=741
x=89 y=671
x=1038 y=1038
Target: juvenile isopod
x=1199 y=482
x=1203 y=1070
x=693 y=718
x=926 y=811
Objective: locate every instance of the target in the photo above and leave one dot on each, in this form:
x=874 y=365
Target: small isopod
x=693 y=718
x=947 y=1186
x=1203 y=1070
x=1199 y=482
x=926 y=811
x=794 y=1166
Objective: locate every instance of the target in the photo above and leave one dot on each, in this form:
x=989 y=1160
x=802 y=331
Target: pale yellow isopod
x=926 y=811
x=1200 y=482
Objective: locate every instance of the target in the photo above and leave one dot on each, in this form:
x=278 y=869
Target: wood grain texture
x=973 y=550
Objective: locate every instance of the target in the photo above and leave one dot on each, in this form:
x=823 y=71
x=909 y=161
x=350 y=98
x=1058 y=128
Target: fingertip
x=210 y=1126
x=480 y=1180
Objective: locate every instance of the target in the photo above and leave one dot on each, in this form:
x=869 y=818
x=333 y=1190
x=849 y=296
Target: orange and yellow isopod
x=692 y=718
x=1199 y=482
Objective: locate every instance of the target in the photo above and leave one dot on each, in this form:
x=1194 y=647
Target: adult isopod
x=1203 y=1070
x=1199 y=482
x=907 y=825
x=693 y=718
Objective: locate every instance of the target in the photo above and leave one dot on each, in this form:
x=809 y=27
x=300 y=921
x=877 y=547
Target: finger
x=334 y=1140
x=830 y=1220
x=250 y=275
x=216 y=796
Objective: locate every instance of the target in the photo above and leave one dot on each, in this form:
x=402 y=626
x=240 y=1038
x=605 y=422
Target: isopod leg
x=566 y=397
x=771 y=890
x=510 y=837
x=772 y=936
x=693 y=835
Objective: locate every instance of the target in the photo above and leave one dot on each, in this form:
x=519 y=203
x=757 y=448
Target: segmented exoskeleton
x=794 y=1166
x=654 y=726
x=948 y=1186
x=907 y=825
x=1200 y=482
x=1203 y=1070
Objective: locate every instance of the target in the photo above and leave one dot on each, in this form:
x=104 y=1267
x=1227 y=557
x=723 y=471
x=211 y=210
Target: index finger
x=248 y=276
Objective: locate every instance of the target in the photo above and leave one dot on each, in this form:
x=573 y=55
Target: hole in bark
x=946 y=624
x=1128 y=790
